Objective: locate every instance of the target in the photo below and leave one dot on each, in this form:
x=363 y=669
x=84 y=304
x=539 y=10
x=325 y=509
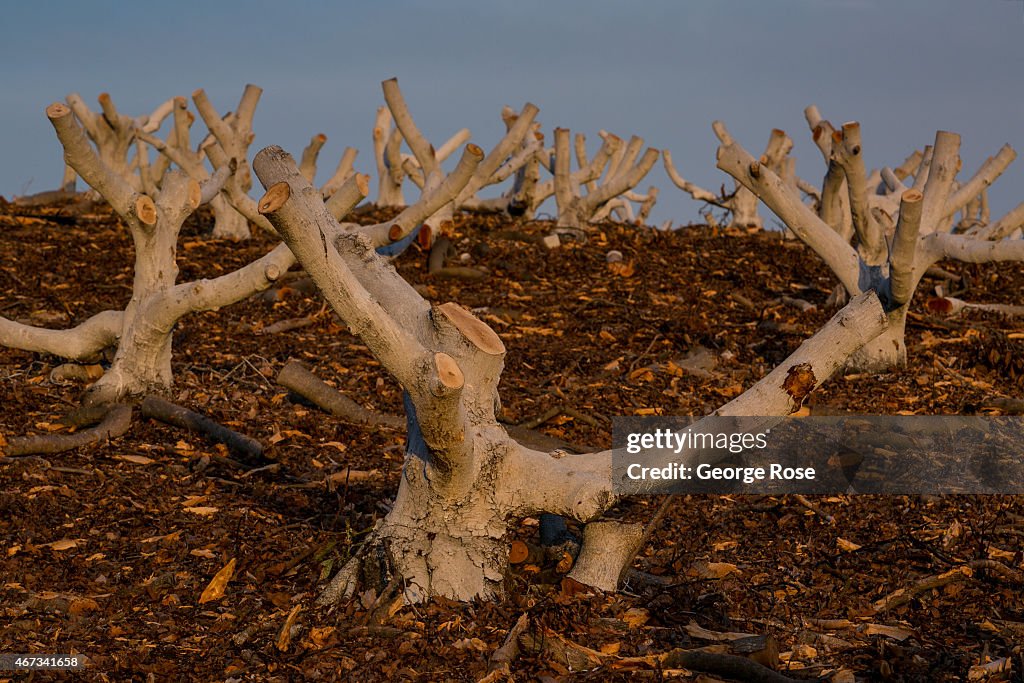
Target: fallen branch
x=1007 y=406
x=164 y=411
x=115 y=422
x=731 y=666
x=287 y=325
x=803 y=500
x=295 y=377
x=905 y=595
x=508 y=652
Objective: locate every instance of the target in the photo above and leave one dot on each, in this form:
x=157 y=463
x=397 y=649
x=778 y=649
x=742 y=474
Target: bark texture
x=898 y=234
x=140 y=335
x=466 y=482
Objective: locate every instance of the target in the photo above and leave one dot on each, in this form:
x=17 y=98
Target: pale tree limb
x=623 y=174
x=923 y=168
x=985 y=176
x=1004 y=227
x=942 y=169
x=142 y=359
x=348 y=195
x=389 y=191
x=430 y=203
x=463 y=486
x=228 y=222
x=424 y=168
x=834 y=205
x=610 y=147
x=909 y=165
x=344 y=171
x=904 y=246
x=921 y=234
x=741 y=203
x=695 y=191
x=403 y=120
x=307 y=166
x=83 y=343
x=846 y=151
x=78 y=154
x=780 y=393
x=841 y=258
x=112 y=132
x=232 y=136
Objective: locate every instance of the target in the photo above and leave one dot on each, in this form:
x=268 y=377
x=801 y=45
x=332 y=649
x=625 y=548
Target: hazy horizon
x=660 y=69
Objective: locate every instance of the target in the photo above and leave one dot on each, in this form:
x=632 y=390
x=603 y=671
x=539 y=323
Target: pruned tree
x=230 y=137
x=113 y=135
x=614 y=170
x=112 y=132
x=524 y=168
x=139 y=336
x=424 y=166
x=892 y=249
x=741 y=203
x=466 y=483
x=176 y=149
x=344 y=170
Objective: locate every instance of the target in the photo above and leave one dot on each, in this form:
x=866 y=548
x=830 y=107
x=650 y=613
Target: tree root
x=114 y=422
x=164 y=411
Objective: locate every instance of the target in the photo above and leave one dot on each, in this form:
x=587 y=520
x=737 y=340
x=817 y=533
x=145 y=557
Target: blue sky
x=661 y=69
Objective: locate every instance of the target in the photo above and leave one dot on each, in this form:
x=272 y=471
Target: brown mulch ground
x=106 y=550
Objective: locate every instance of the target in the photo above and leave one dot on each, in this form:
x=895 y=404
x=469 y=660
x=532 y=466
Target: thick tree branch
x=82 y=343
x=786 y=204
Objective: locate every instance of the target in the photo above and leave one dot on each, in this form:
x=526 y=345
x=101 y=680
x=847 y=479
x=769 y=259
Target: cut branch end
x=145 y=209
x=57 y=111
x=275 y=198
x=473 y=329
x=449 y=374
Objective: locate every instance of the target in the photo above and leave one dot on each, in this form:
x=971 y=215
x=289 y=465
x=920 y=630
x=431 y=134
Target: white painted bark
x=309 y=156
x=228 y=223
x=344 y=171
x=624 y=173
x=424 y=168
x=846 y=152
x=113 y=133
x=920 y=234
x=979 y=182
x=975 y=213
x=834 y=205
x=1004 y=227
x=465 y=489
x=82 y=343
x=386 y=144
x=741 y=203
x=841 y=258
x=233 y=136
x=430 y=205
x=142 y=332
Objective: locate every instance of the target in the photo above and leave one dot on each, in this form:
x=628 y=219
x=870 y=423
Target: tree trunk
x=885 y=352
x=466 y=482
x=228 y=223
